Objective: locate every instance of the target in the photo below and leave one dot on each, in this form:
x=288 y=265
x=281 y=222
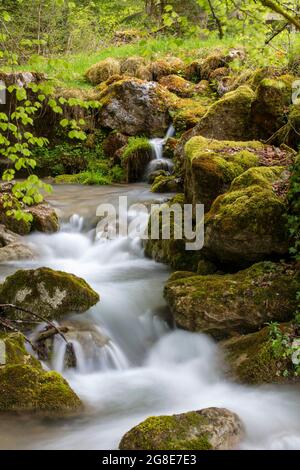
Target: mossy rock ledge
x=229 y=117
x=46 y=292
x=250 y=358
x=211 y=166
x=247 y=224
x=223 y=305
x=207 y=429
x=26 y=388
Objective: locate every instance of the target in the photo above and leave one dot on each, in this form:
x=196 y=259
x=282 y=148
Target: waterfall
x=129 y=363
x=159 y=162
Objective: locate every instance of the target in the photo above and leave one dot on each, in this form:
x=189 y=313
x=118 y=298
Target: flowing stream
x=131 y=363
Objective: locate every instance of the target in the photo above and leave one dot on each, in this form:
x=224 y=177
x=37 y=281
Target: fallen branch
x=6 y=325
x=276 y=33
x=49 y=333
x=40 y=317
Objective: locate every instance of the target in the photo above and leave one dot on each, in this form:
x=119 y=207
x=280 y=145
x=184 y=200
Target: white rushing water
x=130 y=363
x=159 y=162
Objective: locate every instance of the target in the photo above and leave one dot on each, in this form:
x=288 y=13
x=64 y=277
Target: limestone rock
x=222 y=305
x=207 y=429
x=135 y=107
x=46 y=292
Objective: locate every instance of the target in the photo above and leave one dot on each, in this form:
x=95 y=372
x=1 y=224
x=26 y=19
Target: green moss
x=251 y=359
x=86 y=177
x=177 y=432
x=136 y=155
x=228 y=118
x=171 y=250
x=136 y=145
x=165 y=184
x=103 y=70
x=222 y=305
x=51 y=293
x=274 y=94
x=211 y=165
x=248 y=222
x=15 y=352
x=178 y=85
x=24 y=388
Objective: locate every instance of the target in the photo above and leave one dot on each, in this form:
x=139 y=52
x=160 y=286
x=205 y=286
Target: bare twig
x=276 y=33
x=6 y=325
x=40 y=317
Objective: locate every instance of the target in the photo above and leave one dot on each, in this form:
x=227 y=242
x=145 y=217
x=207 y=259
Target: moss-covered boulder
x=163 y=67
x=166 y=184
x=135 y=107
x=192 y=71
x=44 y=217
x=12 y=247
x=251 y=358
x=103 y=70
x=178 y=85
x=207 y=429
x=170 y=250
x=187 y=113
x=271 y=105
x=222 y=305
x=49 y=293
x=247 y=224
x=228 y=118
x=135 y=157
x=114 y=142
x=211 y=166
x=154 y=174
x=131 y=66
x=26 y=388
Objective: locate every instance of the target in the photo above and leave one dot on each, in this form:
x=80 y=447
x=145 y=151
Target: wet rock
x=16 y=252
x=44 y=218
x=251 y=359
x=207 y=429
x=166 y=184
x=247 y=224
x=26 y=388
x=155 y=174
x=12 y=248
x=135 y=107
x=223 y=305
x=89 y=337
x=171 y=250
x=47 y=292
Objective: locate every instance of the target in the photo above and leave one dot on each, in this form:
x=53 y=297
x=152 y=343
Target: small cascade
x=159 y=162
x=92 y=351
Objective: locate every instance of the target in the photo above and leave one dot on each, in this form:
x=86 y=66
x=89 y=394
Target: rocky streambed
x=130 y=362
